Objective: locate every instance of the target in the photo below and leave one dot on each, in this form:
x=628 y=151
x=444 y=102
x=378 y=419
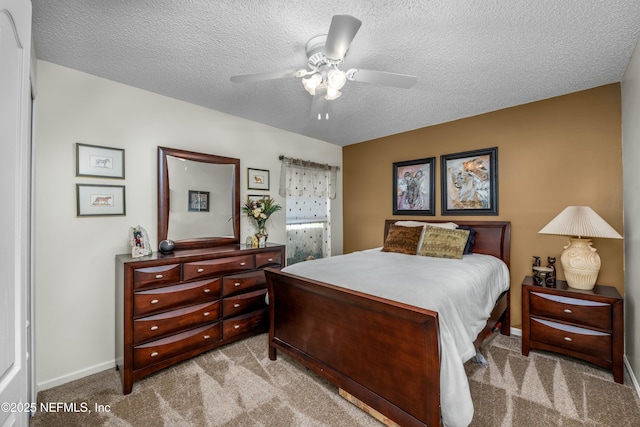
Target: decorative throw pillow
x=471 y=241
x=444 y=243
x=403 y=240
x=451 y=225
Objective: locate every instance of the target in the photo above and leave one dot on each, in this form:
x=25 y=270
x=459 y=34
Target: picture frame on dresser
x=99 y=162
x=414 y=188
x=469 y=182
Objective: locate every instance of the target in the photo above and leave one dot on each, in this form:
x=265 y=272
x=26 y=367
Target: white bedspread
x=463 y=292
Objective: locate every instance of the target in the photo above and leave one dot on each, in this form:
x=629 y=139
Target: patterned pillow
x=451 y=225
x=403 y=240
x=444 y=243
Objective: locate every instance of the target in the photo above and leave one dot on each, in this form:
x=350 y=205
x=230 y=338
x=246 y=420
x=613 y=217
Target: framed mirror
x=198 y=199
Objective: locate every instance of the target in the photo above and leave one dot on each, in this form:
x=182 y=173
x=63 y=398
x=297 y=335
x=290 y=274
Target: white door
x=15 y=172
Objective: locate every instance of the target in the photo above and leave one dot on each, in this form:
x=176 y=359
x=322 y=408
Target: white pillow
x=449 y=225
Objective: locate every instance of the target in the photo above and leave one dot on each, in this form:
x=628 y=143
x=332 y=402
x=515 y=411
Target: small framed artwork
x=100 y=162
x=470 y=182
x=100 y=200
x=414 y=187
x=257 y=179
x=198 y=201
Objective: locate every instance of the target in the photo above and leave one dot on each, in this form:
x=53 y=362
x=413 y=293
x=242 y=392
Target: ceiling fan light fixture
x=311 y=83
x=336 y=79
x=332 y=93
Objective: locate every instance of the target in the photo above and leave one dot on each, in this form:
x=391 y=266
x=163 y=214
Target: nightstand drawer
x=580 y=340
x=588 y=313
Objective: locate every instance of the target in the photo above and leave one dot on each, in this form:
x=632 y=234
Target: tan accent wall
x=552 y=154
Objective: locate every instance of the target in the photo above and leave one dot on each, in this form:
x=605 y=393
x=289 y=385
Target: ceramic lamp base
x=580 y=263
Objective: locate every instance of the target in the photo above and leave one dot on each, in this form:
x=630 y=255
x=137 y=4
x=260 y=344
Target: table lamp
x=580 y=262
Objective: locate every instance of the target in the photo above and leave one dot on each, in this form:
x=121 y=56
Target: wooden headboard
x=492 y=237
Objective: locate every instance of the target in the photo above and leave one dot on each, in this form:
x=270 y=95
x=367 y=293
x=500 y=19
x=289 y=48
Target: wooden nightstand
x=584 y=324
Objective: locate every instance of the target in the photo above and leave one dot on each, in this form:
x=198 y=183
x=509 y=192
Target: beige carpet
x=239 y=386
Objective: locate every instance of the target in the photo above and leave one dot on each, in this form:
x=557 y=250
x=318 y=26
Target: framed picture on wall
x=469 y=182
x=414 y=187
x=100 y=200
x=99 y=162
x=257 y=179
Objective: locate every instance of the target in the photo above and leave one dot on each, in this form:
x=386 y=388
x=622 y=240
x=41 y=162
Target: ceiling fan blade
x=319 y=105
x=272 y=75
x=382 y=77
x=341 y=33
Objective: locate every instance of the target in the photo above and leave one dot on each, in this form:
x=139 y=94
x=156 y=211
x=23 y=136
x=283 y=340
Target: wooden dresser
x=172 y=307
x=579 y=323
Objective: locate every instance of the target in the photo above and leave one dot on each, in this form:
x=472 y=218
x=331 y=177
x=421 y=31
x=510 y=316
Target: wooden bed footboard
x=382 y=352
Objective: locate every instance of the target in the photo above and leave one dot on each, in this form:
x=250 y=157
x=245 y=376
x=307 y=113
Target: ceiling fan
x=325 y=77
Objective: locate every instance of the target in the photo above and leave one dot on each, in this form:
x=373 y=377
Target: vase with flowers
x=260 y=211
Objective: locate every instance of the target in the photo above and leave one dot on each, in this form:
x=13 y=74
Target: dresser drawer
x=218 y=267
x=170 y=297
x=156 y=351
x=154 y=276
x=239 y=283
x=580 y=340
x=256 y=321
x=588 y=313
x=152 y=327
x=244 y=303
x=269 y=259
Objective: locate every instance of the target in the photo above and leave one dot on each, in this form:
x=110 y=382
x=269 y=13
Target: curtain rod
x=307 y=163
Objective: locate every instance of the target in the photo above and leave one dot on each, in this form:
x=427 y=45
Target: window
x=308 y=188
x=308 y=228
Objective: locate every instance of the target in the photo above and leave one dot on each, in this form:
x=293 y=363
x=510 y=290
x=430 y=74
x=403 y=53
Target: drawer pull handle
x=200 y=270
x=236 y=305
x=568 y=339
x=237 y=284
x=270 y=260
x=243 y=264
x=566 y=310
x=154 y=354
x=206 y=291
x=154 y=328
x=159 y=276
x=206 y=337
x=155 y=301
x=206 y=313
x=236 y=327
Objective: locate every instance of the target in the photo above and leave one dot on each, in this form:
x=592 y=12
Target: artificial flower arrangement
x=260 y=211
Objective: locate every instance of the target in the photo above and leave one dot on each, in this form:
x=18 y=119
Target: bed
x=385 y=353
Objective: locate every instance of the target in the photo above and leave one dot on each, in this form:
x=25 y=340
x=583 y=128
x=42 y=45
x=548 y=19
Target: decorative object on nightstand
x=580 y=262
x=586 y=324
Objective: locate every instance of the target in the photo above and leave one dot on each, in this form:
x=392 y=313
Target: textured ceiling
x=470 y=56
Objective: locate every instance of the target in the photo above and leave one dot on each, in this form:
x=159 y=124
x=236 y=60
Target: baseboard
x=634 y=379
x=54 y=382
x=517 y=332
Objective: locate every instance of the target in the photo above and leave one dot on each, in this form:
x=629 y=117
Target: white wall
x=631 y=179
x=74 y=257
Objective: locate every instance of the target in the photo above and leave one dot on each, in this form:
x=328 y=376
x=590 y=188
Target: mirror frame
x=163 y=198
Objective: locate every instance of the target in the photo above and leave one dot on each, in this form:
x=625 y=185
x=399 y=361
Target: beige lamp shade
x=580 y=261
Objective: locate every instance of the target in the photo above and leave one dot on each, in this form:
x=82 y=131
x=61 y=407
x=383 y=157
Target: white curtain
x=302 y=178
